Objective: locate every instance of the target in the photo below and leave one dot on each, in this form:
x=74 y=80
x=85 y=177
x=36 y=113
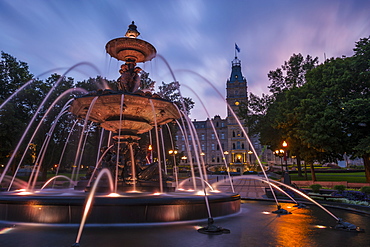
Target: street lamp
x=250 y=156
x=285 y=145
x=225 y=154
x=150 y=149
x=280 y=153
x=287 y=179
x=174 y=171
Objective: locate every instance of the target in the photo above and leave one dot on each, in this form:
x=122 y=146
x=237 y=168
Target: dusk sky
x=191 y=35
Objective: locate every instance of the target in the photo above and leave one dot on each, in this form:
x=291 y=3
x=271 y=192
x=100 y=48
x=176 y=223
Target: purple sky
x=191 y=35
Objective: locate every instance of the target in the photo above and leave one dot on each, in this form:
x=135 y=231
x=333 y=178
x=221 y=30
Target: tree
x=17 y=112
x=146 y=84
x=333 y=112
x=169 y=91
x=271 y=116
x=291 y=74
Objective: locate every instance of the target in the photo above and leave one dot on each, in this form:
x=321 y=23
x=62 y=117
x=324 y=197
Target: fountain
x=138 y=194
x=142 y=193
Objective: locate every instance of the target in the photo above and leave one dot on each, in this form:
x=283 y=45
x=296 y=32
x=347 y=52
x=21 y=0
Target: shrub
x=316 y=188
x=365 y=189
x=340 y=188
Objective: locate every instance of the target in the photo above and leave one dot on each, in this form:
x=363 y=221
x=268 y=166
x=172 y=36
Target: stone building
x=232 y=145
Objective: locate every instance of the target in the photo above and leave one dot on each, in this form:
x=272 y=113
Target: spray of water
x=240 y=125
x=54 y=178
x=158 y=147
x=217 y=138
x=89 y=200
x=34 y=118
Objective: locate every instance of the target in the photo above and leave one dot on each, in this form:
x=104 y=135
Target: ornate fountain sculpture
x=127 y=112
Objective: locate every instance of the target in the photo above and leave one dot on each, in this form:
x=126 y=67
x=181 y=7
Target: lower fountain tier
x=135 y=117
x=128 y=208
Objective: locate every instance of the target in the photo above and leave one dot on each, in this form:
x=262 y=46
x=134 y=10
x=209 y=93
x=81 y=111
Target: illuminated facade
x=231 y=145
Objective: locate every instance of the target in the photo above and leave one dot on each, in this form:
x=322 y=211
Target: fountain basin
x=137 y=112
x=126 y=48
x=125 y=208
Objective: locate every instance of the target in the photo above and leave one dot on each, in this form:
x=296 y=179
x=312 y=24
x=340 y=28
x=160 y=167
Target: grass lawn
x=353 y=177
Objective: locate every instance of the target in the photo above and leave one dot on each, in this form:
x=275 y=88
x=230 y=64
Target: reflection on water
x=293 y=229
x=255 y=225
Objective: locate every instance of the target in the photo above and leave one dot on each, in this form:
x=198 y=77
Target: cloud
x=195 y=35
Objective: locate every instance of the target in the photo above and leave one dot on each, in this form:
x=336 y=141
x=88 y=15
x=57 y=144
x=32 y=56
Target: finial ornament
x=132 y=31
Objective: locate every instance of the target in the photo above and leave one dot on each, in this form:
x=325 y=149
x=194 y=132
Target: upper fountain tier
x=130 y=48
x=129 y=111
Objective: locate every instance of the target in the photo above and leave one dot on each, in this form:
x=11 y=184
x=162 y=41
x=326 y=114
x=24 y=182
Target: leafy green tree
x=170 y=92
x=271 y=116
x=146 y=83
x=334 y=109
x=17 y=112
x=291 y=74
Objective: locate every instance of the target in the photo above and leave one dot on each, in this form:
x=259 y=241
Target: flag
x=237 y=47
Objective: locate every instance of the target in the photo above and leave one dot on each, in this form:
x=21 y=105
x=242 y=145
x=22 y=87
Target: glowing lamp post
x=173 y=153
x=250 y=157
x=285 y=145
x=280 y=153
x=225 y=156
x=150 y=149
x=287 y=179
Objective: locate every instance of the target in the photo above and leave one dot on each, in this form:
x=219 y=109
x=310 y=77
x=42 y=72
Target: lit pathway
x=246 y=186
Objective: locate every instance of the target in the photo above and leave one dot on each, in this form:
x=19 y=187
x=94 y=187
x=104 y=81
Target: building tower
x=236 y=95
x=233 y=141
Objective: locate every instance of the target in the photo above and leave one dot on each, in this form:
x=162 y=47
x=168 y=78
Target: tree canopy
x=322 y=110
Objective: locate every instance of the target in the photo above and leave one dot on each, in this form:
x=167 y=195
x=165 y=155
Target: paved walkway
x=246 y=186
